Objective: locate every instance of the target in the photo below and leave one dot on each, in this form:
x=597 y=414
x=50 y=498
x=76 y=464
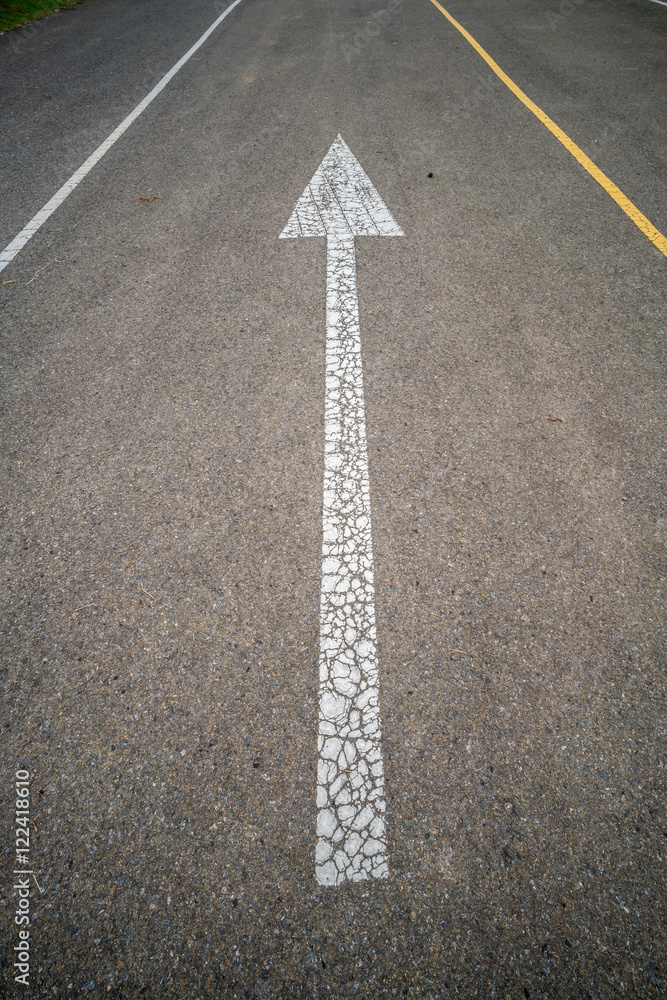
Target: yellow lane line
x=630 y=210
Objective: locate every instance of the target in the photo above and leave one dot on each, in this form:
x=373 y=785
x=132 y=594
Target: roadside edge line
x=640 y=220
x=38 y=220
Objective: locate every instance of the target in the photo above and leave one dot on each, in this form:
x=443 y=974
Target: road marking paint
x=340 y=203
x=647 y=227
x=38 y=220
x=661 y=2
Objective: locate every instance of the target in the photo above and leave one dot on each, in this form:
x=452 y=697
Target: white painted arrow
x=340 y=203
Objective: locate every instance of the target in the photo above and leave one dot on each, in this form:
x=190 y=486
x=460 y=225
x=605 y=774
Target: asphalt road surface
x=163 y=459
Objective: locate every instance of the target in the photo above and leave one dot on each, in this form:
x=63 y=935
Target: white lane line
x=340 y=203
x=38 y=220
x=661 y=2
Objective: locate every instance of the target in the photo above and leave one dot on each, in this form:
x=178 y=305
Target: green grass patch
x=14 y=13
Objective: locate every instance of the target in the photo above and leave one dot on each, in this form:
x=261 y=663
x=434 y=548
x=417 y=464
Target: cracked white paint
x=340 y=203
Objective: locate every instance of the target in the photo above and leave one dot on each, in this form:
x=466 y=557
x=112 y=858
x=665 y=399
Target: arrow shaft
x=351 y=840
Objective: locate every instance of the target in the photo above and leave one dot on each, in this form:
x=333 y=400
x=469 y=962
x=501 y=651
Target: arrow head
x=340 y=202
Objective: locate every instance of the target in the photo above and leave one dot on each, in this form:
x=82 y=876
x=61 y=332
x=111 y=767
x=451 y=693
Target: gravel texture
x=162 y=464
